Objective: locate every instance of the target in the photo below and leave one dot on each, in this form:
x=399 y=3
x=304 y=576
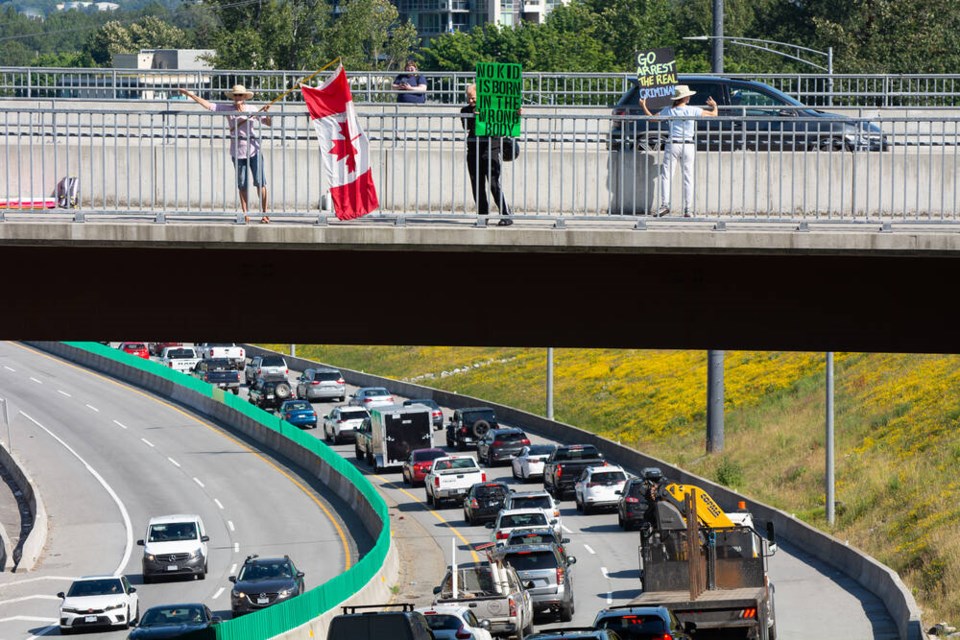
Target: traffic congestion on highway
x=488 y=494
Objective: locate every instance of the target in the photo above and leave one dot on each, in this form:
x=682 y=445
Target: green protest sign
x=499 y=90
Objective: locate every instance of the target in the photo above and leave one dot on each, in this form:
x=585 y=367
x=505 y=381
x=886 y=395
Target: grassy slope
x=897 y=445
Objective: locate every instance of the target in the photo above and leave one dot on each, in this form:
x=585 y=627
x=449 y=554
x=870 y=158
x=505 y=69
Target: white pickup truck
x=182 y=359
x=229 y=350
x=450 y=478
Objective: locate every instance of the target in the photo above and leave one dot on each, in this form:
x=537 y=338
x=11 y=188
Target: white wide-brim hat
x=682 y=91
x=239 y=91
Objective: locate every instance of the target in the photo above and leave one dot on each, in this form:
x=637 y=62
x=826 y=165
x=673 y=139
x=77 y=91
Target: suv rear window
x=634 y=626
x=480 y=414
x=273 y=361
x=491 y=491
x=607 y=477
x=358 y=414
x=441 y=622
x=532 y=538
x=327 y=376
x=533 y=502
x=532 y=560
x=512 y=436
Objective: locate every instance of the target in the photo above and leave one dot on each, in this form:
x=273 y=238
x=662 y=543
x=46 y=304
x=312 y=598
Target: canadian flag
x=344 y=147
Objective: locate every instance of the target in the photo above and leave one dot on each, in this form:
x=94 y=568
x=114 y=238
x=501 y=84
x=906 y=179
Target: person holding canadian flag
x=345 y=149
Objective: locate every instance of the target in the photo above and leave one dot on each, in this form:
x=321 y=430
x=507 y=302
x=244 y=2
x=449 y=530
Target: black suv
x=405 y=624
x=467 y=426
x=501 y=444
x=270 y=392
x=263 y=582
x=753 y=116
x=643 y=623
x=484 y=501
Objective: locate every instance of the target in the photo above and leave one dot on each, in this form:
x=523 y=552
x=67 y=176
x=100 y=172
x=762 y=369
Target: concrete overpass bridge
x=680 y=284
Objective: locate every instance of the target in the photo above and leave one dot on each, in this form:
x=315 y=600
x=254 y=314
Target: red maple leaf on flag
x=343 y=148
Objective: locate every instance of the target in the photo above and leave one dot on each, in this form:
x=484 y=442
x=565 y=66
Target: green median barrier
x=285 y=616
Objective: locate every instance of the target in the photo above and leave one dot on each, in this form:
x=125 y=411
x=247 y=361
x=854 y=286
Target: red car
x=136 y=349
x=416 y=467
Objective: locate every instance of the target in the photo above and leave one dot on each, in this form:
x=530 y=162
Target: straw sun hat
x=239 y=91
x=680 y=92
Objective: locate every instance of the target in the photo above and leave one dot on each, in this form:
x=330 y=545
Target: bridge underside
x=678 y=300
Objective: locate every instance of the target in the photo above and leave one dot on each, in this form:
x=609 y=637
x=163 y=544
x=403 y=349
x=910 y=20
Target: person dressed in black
x=484 y=163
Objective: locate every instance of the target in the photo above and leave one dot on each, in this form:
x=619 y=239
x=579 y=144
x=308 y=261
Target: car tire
x=579 y=505
x=326 y=436
x=342 y=398
x=147 y=579
x=357 y=453
x=469 y=518
x=566 y=613
x=429 y=500
x=283 y=391
x=480 y=428
x=587 y=509
x=513 y=470
x=236 y=391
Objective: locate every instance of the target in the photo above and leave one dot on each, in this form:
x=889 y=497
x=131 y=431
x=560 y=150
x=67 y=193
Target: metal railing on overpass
x=163 y=163
x=541 y=89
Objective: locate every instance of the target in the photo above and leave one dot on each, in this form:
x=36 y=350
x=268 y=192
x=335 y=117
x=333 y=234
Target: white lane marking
x=35 y=597
x=9 y=368
x=174 y=462
x=217 y=594
x=606 y=575
x=93 y=408
x=197 y=480
x=146 y=442
x=233 y=568
x=64 y=393
x=119 y=424
x=589 y=550
x=230 y=524
x=565 y=529
x=35 y=380
x=218 y=503
x=128 y=546
x=26 y=580
x=236 y=547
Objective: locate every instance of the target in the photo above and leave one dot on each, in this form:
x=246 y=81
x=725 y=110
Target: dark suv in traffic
x=753 y=116
x=501 y=444
x=467 y=426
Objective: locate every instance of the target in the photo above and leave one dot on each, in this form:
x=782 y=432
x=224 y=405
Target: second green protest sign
x=499 y=93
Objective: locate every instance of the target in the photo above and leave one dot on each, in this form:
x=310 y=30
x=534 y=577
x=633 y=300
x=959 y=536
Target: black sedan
x=173 y=621
x=484 y=501
x=263 y=582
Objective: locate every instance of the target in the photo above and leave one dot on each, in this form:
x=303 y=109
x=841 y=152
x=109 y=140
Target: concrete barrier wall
x=870 y=574
x=29 y=553
x=377 y=589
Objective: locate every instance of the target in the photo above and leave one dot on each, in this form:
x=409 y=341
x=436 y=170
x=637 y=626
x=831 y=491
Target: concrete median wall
x=24 y=556
x=870 y=574
x=377 y=589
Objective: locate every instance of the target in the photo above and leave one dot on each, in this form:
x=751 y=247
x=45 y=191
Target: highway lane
x=106 y=457
x=607 y=569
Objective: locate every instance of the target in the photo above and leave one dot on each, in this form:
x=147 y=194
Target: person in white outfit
x=682 y=145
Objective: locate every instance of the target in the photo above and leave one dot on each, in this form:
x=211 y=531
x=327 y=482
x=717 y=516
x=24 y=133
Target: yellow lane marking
x=292 y=479
x=456 y=532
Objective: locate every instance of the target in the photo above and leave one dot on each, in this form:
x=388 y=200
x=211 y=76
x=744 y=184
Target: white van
x=175 y=545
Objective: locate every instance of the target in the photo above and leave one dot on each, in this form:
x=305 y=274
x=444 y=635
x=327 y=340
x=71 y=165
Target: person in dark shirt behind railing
x=412 y=85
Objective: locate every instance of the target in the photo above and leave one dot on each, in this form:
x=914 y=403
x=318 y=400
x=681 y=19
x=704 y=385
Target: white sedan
x=599 y=487
x=454 y=622
x=98 y=601
x=529 y=462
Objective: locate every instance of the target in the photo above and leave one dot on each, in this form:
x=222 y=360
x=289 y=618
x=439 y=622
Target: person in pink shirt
x=244 y=142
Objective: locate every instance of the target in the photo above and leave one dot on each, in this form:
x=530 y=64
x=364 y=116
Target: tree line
x=867 y=36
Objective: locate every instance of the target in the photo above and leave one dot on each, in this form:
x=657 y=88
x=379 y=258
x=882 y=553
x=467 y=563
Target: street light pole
x=761 y=45
x=718 y=36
